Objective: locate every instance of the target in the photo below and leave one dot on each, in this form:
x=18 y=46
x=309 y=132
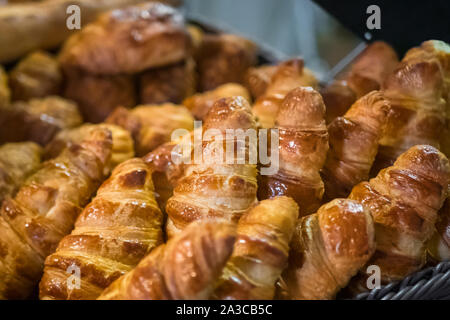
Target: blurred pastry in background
x=365 y=74
x=38 y=119
x=152 y=125
x=35 y=76
x=5 y=92
x=168 y=84
x=223 y=58
x=128 y=40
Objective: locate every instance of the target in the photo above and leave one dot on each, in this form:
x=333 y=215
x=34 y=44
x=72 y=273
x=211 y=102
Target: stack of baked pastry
x=98 y=202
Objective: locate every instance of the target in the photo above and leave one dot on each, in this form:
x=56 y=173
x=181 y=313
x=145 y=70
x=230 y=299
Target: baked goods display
x=134 y=164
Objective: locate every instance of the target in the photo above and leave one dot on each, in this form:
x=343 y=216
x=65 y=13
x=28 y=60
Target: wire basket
x=432 y=283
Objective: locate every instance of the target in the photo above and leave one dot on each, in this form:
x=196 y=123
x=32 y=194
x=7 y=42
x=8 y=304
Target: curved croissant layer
x=215 y=187
x=415 y=91
x=44 y=211
x=112 y=234
x=404 y=200
x=186 y=267
x=354 y=144
x=122 y=143
x=152 y=125
x=366 y=74
x=199 y=104
x=303 y=145
x=261 y=251
x=5 y=92
x=289 y=75
x=17 y=162
x=328 y=248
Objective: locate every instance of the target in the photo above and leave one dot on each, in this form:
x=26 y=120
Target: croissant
x=438 y=247
x=168 y=84
x=438 y=51
x=186 y=267
x=328 y=248
x=213 y=187
x=404 y=200
x=415 y=91
x=303 y=146
x=98 y=95
x=112 y=234
x=257 y=79
x=200 y=103
x=354 y=144
x=5 y=92
x=37 y=120
x=37 y=75
x=223 y=58
x=166 y=172
x=17 y=162
x=122 y=143
x=289 y=75
x=152 y=125
x=366 y=74
x=260 y=252
x=128 y=40
x=44 y=211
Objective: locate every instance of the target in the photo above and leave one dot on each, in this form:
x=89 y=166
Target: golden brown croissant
x=289 y=75
x=366 y=74
x=152 y=125
x=404 y=200
x=168 y=84
x=439 y=245
x=440 y=51
x=415 y=91
x=303 y=146
x=128 y=40
x=328 y=248
x=37 y=75
x=44 y=211
x=186 y=267
x=112 y=234
x=200 y=103
x=122 y=143
x=260 y=252
x=5 y=92
x=257 y=79
x=98 y=95
x=223 y=58
x=37 y=120
x=17 y=162
x=215 y=187
x=338 y=98
x=354 y=144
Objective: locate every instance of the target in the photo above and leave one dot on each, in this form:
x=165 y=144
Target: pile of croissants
x=95 y=207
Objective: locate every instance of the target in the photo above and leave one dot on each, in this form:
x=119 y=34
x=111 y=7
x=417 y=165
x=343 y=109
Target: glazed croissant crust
x=112 y=234
x=186 y=267
x=404 y=200
x=327 y=249
x=261 y=251
x=212 y=187
x=44 y=211
x=354 y=144
x=303 y=145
